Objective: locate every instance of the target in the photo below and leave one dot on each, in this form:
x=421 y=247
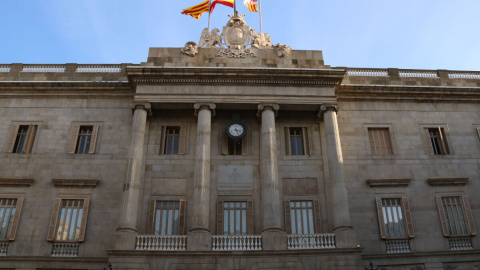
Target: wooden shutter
x=16 y=219
x=441 y=213
x=32 y=130
x=13 y=137
x=151 y=217
x=429 y=142
x=182 y=140
x=305 y=141
x=73 y=140
x=162 y=140
x=250 y=223
x=478 y=132
x=317 y=217
x=181 y=218
x=93 y=140
x=468 y=215
x=245 y=142
x=408 y=217
x=288 y=218
x=54 y=219
x=381 y=219
x=219 y=217
x=288 y=149
x=224 y=145
x=83 y=227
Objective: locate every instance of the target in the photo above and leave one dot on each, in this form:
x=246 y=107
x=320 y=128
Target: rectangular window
x=380 y=143
x=21 y=139
x=230 y=147
x=10 y=209
x=234 y=217
x=302 y=217
x=69 y=220
x=167 y=217
x=394 y=218
x=437 y=141
x=456 y=216
x=173 y=140
x=83 y=139
x=296 y=141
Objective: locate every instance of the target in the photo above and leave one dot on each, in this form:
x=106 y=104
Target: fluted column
x=199 y=237
x=274 y=237
x=341 y=213
x=132 y=185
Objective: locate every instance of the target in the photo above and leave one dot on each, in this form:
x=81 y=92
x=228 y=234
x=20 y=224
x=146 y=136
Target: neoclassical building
x=235 y=158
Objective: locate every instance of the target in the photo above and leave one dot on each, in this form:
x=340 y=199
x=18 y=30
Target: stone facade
x=335 y=113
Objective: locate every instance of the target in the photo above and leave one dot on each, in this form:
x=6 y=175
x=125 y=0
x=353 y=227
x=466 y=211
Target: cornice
x=16 y=182
x=447 y=182
x=78 y=183
x=234 y=76
x=388 y=182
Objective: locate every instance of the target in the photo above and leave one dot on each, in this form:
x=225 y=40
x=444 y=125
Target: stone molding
x=388 y=182
x=266 y=106
x=208 y=106
x=16 y=182
x=76 y=183
x=447 y=182
x=142 y=105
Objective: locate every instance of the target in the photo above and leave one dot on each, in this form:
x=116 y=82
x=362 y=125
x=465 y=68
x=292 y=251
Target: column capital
x=327 y=107
x=142 y=106
x=270 y=106
x=208 y=106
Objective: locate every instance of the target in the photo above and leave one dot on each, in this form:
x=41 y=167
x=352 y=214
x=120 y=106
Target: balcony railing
x=464 y=74
x=5 y=68
x=99 y=68
x=398 y=246
x=65 y=249
x=367 y=72
x=460 y=243
x=3 y=249
x=161 y=242
x=43 y=68
x=236 y=242
x=419 y=73
x=311 y=241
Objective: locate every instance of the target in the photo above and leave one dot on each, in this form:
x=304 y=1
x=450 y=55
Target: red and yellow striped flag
x=251 y=5
x=197 y=10
x=228 y=3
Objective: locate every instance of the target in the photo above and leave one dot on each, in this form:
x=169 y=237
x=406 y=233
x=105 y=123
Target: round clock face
x=236 y=130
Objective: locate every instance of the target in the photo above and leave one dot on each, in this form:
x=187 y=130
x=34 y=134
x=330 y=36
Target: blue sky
x=420 y=34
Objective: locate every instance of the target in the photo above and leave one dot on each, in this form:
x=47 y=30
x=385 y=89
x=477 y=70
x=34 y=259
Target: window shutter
x=16 y=219
x=181 y=219
x=478 y=132
x=429 y=142
x=32 y=130
x=443 y=139
x=224 y=143
x=13 y=137
x=288 y=218
x=93 y=141
x=441 y=213
x=250 y=226
x=468 y=215
x=305 y=141
x=408 y=217
x=288 y=149
x=372 y=141
x=317 y=217
x=151 y=217
x=245 y=142
x=182 y=140
x=381 y=220
x=73 y=140
x=220 y=218
x=54 y=219
x=83 y=227
x=162 y=140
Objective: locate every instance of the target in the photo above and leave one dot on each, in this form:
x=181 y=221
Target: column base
x=274 y=240
x=199 y=241
x=346 y=238
x=124 y=240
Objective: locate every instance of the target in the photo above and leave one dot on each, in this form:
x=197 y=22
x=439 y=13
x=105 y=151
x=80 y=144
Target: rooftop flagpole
x=260 y=14
x=234 y=7
x=209 y=12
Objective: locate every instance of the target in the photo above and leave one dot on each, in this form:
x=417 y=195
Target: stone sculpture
x=210 y=39
x=190 y=49
x=236 y=35
x=260 y=40
x=282 y=50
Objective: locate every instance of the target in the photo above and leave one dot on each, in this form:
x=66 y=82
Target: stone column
x=199 y=237
x=273 y=236
x=131 y=188
x=345 y=236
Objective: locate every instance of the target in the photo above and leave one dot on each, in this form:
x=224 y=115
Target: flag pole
x=260 y=14
x=234 y=7
x=209 y=11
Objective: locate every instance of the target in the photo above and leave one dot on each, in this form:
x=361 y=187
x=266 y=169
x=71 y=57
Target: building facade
x=264 y=161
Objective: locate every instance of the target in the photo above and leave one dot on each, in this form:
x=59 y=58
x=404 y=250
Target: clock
x=236 y=129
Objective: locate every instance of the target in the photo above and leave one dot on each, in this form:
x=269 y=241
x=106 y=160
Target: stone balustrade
x=65 y=249
x=5 y=68
x=460 y=243
x=99 y=68
x=3 y=249
x=52 y=68
x=161 y=242
x=367 y=72
x=43 y=68
x=418 y=73
x=236 y=242
x=398 y=246
x=311 y=241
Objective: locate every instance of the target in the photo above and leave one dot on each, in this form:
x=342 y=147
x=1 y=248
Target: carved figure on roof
x=260 y=40
x=210 y=39
x=282 y=50
x=190 y=49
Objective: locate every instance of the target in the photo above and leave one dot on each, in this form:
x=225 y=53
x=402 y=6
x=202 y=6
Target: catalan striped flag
x=197 y=10
x=228 y=3
x=251 y=5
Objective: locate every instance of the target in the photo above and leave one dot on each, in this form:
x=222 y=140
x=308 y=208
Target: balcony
x=236 y=242
x=3 y=249
x=161 y=242
x=65 y=249
x=397 y=246
x=311 y=241
x=460 y=243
